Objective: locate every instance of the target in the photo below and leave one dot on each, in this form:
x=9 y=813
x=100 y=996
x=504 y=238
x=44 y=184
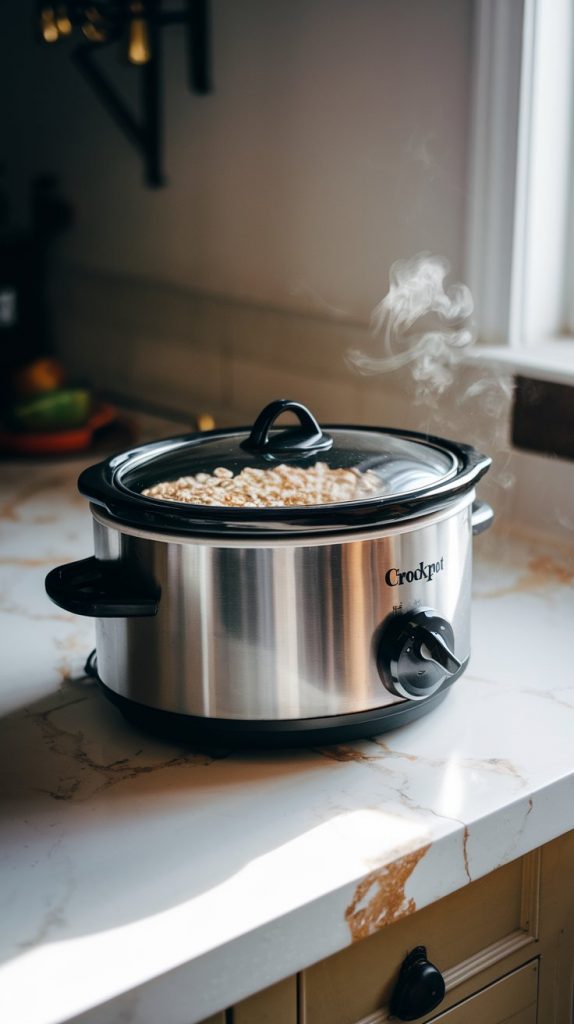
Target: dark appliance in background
x=25 y=324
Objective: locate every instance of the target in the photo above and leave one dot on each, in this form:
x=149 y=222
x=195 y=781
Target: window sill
x=551 y=360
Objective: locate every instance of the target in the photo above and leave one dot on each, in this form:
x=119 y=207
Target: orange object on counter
x=36 y=378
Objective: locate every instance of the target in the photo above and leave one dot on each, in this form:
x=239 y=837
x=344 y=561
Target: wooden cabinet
x=504 y=944
x=275 y=1005
x=512 y=1000
x=468 y=935
x=556 y=995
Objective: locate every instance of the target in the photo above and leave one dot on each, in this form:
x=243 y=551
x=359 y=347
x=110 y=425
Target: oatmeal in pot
x=278 y=487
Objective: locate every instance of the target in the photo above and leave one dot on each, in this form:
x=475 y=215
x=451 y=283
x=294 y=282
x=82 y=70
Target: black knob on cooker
x=415 y=653
x=419 y=988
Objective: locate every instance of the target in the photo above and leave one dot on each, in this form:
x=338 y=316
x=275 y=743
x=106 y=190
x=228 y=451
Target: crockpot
x=286 y=624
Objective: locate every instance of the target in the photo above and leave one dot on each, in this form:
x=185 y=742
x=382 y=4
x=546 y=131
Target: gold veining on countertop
x=552 y=695
x=73 y=746
x=342 y=752
x=380 y=898
x=10 y=510
x=384 y=745
x=542 y=571
x=26 y=614
x=69 y=770
x=465 y=838
x=498 y=765
x=32 y=563
x=218 y=858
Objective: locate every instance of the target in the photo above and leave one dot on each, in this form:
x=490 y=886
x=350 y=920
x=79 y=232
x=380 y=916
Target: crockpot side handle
x=481 y=517
x=100 y=589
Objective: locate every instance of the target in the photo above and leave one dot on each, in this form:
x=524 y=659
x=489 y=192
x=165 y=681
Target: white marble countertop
x=168 y=884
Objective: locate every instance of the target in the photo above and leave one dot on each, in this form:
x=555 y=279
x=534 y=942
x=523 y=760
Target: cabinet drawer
x=472 y=936
x=274 y=1005
x=512 y=1000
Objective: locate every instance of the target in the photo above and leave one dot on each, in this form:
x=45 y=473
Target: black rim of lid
x=104 y=485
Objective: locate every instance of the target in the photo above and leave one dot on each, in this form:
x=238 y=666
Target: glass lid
x=288 y=467
x=282 y=477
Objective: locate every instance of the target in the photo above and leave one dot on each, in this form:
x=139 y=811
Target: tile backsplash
x=183 y=350
x=189 y=353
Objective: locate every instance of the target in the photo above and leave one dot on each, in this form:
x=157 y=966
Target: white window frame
x=520 y=225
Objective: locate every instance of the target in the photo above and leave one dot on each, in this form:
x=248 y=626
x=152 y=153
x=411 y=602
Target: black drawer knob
x=419 y=987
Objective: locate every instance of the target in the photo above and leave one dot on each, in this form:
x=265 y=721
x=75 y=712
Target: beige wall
x=334 y=143
x=176 y=349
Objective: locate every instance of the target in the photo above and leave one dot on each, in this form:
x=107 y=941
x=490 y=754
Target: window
x=520 y=251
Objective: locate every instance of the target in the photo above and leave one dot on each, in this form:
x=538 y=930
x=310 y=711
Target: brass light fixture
x=134 y=26
x=139 y=46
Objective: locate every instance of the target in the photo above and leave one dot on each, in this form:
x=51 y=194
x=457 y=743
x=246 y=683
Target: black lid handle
x=292 y=442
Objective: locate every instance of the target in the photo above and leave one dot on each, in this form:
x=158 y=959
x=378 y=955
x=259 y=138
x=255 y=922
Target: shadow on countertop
x=105 y=825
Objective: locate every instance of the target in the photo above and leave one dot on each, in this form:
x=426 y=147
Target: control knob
x=415 y=653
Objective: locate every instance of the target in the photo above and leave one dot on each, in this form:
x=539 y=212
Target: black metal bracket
x=145 y=133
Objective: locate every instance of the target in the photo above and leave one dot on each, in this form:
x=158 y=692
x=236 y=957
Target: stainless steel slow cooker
x=301 y=623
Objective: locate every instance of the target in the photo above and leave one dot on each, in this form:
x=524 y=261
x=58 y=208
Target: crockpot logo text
x=424 y=571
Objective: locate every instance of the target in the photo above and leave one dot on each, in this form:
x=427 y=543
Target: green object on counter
x=57 y=410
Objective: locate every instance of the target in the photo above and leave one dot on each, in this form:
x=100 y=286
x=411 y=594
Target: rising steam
x=421 y=323
x=426 y=326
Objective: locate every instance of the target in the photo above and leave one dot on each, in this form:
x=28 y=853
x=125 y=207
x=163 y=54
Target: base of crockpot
x=303 y=732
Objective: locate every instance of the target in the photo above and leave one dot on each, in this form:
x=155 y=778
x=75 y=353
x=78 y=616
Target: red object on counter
x=58 y=442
